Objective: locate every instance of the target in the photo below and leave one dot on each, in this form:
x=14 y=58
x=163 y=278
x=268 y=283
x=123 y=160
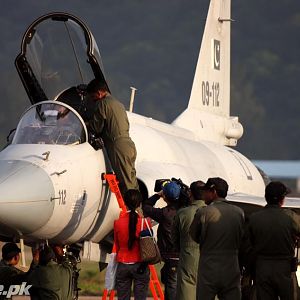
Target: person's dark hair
x=95 y=85
x=8 y=257
x=197 y=189
x=46 y=255
x=9 y=251
x=132 y=199
x=221 y=193
x=275 y=192
x=217 y=184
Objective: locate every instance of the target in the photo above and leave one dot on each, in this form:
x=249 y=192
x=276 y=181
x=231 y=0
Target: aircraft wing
x=250 y=203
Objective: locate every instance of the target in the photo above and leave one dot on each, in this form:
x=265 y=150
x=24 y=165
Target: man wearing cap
x=187 y=247
x=165 y=217
x=218 y=228
x=110 y=122
x=272 y=232
x=9 y=274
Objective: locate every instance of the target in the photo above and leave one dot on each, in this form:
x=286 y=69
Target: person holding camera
x=272 y=233
x=187 y=247
x=165 y=216
x=218 y=228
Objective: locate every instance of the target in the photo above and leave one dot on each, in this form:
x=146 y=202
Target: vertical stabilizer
x=211 y=85
x=208 y=111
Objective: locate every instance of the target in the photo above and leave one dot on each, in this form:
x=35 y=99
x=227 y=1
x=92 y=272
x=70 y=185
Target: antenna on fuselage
x=133 y=89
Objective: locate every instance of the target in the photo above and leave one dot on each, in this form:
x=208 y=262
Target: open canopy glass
x=50 y=122
x=58 y=52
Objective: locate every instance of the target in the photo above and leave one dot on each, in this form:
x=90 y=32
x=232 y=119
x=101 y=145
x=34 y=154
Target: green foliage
x=268 y=52
x=91 y=281
x=153 y=46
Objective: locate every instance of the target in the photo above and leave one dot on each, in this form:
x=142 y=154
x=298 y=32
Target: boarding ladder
x=154 y=283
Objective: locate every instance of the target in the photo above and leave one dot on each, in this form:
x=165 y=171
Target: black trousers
x=137 y=274
x=169 y=278
x=274 y=279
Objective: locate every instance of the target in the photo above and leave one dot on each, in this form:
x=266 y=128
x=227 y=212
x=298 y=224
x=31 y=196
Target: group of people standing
x=262 y=246
x=207 y=245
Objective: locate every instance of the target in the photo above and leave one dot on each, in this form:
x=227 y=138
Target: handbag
x=111 y=272
x=149 y=251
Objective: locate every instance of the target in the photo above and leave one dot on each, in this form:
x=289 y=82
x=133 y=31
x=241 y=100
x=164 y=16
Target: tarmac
x=80 y=298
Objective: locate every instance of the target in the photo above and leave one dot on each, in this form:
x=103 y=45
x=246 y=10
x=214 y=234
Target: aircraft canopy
x=50 y=123
x=58 y=51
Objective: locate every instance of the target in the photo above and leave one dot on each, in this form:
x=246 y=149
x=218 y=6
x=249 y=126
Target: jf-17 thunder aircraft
x=50 y=173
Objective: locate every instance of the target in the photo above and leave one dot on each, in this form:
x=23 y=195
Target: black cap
x=9 y=250
x=216 y=183
x=276 y=190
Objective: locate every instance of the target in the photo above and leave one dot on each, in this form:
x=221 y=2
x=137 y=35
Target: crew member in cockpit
x=111 y=123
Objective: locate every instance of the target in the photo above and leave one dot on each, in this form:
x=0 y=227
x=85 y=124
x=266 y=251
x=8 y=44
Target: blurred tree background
x=153 y=46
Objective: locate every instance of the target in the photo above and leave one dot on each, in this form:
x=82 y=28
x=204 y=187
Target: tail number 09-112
x=210 y=93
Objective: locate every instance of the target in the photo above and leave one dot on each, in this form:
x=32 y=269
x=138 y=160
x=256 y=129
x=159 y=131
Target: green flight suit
x=218 y=228
x=188 y=251
x=272 y=232
x=111 y=123
x=51 y=282
x=9 y=275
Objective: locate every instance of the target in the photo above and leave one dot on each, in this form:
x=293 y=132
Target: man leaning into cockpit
x=110 y=122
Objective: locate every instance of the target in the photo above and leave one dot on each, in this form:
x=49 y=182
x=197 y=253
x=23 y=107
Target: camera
x=184 y=198
x=159 y=184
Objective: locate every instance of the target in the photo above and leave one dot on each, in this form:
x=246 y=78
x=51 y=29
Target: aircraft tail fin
x=211 y=85
x=210 y=95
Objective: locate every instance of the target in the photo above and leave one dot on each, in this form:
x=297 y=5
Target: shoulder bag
x=148 y=247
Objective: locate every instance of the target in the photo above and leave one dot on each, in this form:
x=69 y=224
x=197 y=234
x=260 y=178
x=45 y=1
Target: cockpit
x=50 y=122
x=58 y=57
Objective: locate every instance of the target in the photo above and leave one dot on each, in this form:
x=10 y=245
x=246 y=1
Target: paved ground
x=80 y=298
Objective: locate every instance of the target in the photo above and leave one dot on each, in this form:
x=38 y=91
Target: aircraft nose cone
x=25 y=196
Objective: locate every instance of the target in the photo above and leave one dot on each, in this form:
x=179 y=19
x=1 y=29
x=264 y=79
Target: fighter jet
x=50 y=173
